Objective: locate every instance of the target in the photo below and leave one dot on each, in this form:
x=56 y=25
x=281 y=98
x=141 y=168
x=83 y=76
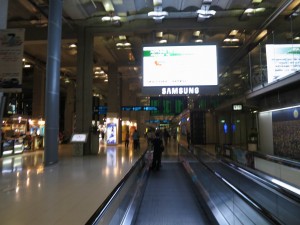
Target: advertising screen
x=111 y=133
x=179 y=66
x=282 y=60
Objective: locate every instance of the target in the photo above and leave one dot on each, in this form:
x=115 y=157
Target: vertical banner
x=11 y=55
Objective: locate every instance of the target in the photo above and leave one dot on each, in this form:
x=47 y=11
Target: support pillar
x=114 y=96
x=53 y=82
x=3 y=14
x=69 y=110
x=3 y=25
x=38 y=93
x=84 y=92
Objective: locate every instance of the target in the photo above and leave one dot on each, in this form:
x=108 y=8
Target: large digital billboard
x=180 y=69
x=282 y=60
x=191 y=65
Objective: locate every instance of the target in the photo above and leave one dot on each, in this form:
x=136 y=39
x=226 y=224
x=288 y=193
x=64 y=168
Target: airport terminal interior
x=86 y=87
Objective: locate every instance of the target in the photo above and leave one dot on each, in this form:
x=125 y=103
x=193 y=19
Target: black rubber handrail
x=260 y=179
x=277 y=159
x=259 y=208
x=102 y=208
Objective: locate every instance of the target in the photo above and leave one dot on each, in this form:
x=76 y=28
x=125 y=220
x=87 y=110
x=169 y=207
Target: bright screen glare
x=192 y=65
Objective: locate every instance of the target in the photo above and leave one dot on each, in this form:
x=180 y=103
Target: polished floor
x=66 y=193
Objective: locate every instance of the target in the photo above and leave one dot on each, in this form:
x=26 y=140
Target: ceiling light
x=162 y=41
x=158 y=15
x=233 y=32
x=295 y=12
x=230 y=46
x=159 y=34
x=231 y=40
x=205 y=13
x=296 y=38
x=111 y=18
x=196 y=33
x=251 y=11
x=199 y=40
x=73 y=45
x=256 y=1
x=123 y=44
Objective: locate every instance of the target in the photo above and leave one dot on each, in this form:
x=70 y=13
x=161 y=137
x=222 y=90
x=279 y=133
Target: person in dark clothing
x=127 y=139
x=166 y=136
x=157 y=151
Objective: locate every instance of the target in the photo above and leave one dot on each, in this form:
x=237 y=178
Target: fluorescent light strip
x=287 y=186
x=274 y=110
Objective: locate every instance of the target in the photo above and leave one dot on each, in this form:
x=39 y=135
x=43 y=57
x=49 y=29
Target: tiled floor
x=66 y=193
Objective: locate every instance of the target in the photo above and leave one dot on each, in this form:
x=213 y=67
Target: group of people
x=135 y=137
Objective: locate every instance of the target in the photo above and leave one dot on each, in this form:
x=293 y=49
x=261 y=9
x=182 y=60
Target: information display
x=168 y=105
x=282 y=60
x=179 y=66
x=79 y=138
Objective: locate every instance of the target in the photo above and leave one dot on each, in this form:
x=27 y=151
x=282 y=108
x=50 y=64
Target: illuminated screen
x=192 y=65
x=282 y=60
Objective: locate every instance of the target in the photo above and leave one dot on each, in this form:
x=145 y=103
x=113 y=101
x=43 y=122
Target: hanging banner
x=11 y=55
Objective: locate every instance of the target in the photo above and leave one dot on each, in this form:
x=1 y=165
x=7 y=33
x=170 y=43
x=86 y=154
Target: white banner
x=11 y=55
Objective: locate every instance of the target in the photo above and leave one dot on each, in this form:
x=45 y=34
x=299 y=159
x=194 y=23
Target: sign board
x=11 y=56
x=237 y=107
x=79 y=138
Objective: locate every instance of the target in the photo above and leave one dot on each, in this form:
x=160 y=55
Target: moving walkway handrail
x=102 y=208
x=263 y=211
x=249 y=173
x=283 y=161
x=259 y=179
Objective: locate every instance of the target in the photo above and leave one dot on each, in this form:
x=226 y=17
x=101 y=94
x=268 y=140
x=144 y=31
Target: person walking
x=158 y=148
x=136 y=139
x=166 y=136
x=127 y=139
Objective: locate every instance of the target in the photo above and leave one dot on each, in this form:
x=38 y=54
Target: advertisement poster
x=111 y=133
x=11 y=55
x=286 y=134
x=282 y=60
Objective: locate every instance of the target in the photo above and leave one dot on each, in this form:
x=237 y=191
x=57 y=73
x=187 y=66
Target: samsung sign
x=180 y=90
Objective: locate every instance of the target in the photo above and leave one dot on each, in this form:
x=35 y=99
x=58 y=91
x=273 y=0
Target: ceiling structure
x=122 y=27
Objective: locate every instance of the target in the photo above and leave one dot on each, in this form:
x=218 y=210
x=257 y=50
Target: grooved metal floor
x=169 y=199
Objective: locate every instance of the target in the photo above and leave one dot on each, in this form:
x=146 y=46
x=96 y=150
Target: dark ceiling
x=181 y=25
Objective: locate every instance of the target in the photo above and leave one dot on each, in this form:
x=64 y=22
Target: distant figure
x=166 y=136
x=136 y=139
x=188 y=139
x=150 y=137
x=157 y=151
x=127 y=139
